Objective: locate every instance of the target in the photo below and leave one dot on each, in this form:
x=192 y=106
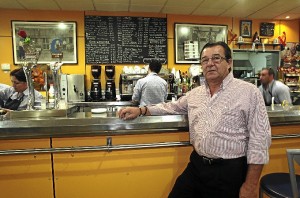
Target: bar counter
x=77 y=153
x=81 y=122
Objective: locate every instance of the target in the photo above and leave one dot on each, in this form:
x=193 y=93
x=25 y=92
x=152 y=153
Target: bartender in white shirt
x=16 y=97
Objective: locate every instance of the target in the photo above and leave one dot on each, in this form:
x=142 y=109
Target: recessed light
x=287 y=17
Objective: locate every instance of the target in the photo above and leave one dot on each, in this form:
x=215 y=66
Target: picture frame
x=190 y=39
x=246 y=28
x=52 y=41
x=267 y=29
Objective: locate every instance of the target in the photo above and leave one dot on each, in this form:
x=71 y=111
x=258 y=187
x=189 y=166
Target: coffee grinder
x=110 y=87
x=96 y=94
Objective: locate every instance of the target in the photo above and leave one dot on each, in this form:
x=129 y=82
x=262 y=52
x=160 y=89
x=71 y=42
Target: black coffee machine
x=96 y=94
x=110 y=87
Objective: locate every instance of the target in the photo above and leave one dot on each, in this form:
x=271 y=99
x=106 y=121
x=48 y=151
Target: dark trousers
x=204 y=178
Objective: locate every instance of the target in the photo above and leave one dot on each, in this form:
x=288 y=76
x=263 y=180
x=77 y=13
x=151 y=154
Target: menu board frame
x=49 y=38
x=267 y=29
x=125 y=39
x=202 y=33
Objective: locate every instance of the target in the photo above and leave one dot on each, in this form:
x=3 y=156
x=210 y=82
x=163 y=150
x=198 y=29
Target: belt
x=211 y=161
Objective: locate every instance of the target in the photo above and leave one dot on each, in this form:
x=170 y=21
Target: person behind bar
x=152 y=89
x=273 y=88
x=16 y=97
x=229 y=130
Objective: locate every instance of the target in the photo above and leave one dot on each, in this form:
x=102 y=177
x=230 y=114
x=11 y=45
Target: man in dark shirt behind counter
x=152 y=89
x=229 y=130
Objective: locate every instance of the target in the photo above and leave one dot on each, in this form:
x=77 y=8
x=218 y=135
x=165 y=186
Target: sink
x=38 y=113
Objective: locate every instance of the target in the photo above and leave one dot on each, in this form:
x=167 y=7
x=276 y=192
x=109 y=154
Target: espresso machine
x=170 y=79
x=96 y=94
x=128 y=81
x=110 y=86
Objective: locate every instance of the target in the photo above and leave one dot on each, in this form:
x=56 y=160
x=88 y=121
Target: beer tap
x=27 y=67
x=56 y=71
x=29 y=62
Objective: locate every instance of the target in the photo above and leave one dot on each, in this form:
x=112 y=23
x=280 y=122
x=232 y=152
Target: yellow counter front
x=114 y=174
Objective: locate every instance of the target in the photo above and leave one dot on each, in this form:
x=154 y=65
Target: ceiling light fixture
x=287 y=17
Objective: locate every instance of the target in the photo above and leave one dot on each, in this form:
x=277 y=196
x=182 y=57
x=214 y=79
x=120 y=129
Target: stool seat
x=278 y=185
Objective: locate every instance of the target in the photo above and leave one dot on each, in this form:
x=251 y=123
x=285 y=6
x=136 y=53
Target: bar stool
x=282 y=185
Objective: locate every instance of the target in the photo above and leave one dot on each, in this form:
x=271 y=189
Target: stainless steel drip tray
x=38 y=113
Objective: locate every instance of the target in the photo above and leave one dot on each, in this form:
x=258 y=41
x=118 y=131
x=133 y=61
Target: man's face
x=265 y=78
x=19 y=86
x=214 y=64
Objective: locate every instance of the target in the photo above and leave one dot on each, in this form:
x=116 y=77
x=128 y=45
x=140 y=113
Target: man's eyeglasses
x=215 y=59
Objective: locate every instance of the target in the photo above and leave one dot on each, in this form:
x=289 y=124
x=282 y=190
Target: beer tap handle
x=75 y=89
x=46 y=84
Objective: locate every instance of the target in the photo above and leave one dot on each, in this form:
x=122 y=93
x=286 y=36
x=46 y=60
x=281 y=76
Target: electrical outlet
x=5 y=66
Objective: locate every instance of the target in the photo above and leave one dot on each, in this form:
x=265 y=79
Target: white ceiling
x=262 y=9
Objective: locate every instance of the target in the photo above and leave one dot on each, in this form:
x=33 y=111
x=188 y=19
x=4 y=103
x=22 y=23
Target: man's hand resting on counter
x=129 y=113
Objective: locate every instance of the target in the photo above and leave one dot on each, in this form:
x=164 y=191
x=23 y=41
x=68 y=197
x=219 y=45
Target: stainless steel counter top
x=279 y=115
x=88 y=124
x=103 y=104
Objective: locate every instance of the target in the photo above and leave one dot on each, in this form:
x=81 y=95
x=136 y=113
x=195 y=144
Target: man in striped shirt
x=229 y=130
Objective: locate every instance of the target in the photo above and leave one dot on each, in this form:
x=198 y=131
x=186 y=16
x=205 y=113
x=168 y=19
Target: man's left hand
x=248 y=191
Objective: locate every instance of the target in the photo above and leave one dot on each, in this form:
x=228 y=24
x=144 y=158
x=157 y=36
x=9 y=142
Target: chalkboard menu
x=115 y=39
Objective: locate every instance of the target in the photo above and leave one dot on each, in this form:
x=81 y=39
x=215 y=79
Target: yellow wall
x=290 y=27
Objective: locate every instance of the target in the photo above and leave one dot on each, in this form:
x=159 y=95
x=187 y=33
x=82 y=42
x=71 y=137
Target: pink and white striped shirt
x=230 y=124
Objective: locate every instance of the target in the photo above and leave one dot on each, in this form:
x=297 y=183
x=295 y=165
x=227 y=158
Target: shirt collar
x=26 y=92
x=225 y=82
x=270 y=86
x=152 y=74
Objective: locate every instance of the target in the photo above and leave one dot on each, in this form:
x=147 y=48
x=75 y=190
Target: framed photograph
x=190 y=39
x=246 y=28
x=50 y=40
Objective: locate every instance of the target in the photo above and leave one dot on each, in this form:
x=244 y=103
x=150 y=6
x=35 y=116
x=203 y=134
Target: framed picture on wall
x=190 y=39
x=267 y=29
x=50 y=40
x=246 y=28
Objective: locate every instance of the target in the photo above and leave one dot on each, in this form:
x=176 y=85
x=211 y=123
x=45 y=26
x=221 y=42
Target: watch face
x=267 y=29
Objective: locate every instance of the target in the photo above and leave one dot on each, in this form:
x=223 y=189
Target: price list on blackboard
x=114 y=39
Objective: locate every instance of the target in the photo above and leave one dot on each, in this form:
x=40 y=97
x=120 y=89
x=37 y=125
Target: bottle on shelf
x=51 y=97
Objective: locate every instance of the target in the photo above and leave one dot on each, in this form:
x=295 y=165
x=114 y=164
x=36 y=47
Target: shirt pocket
x=232 y=118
